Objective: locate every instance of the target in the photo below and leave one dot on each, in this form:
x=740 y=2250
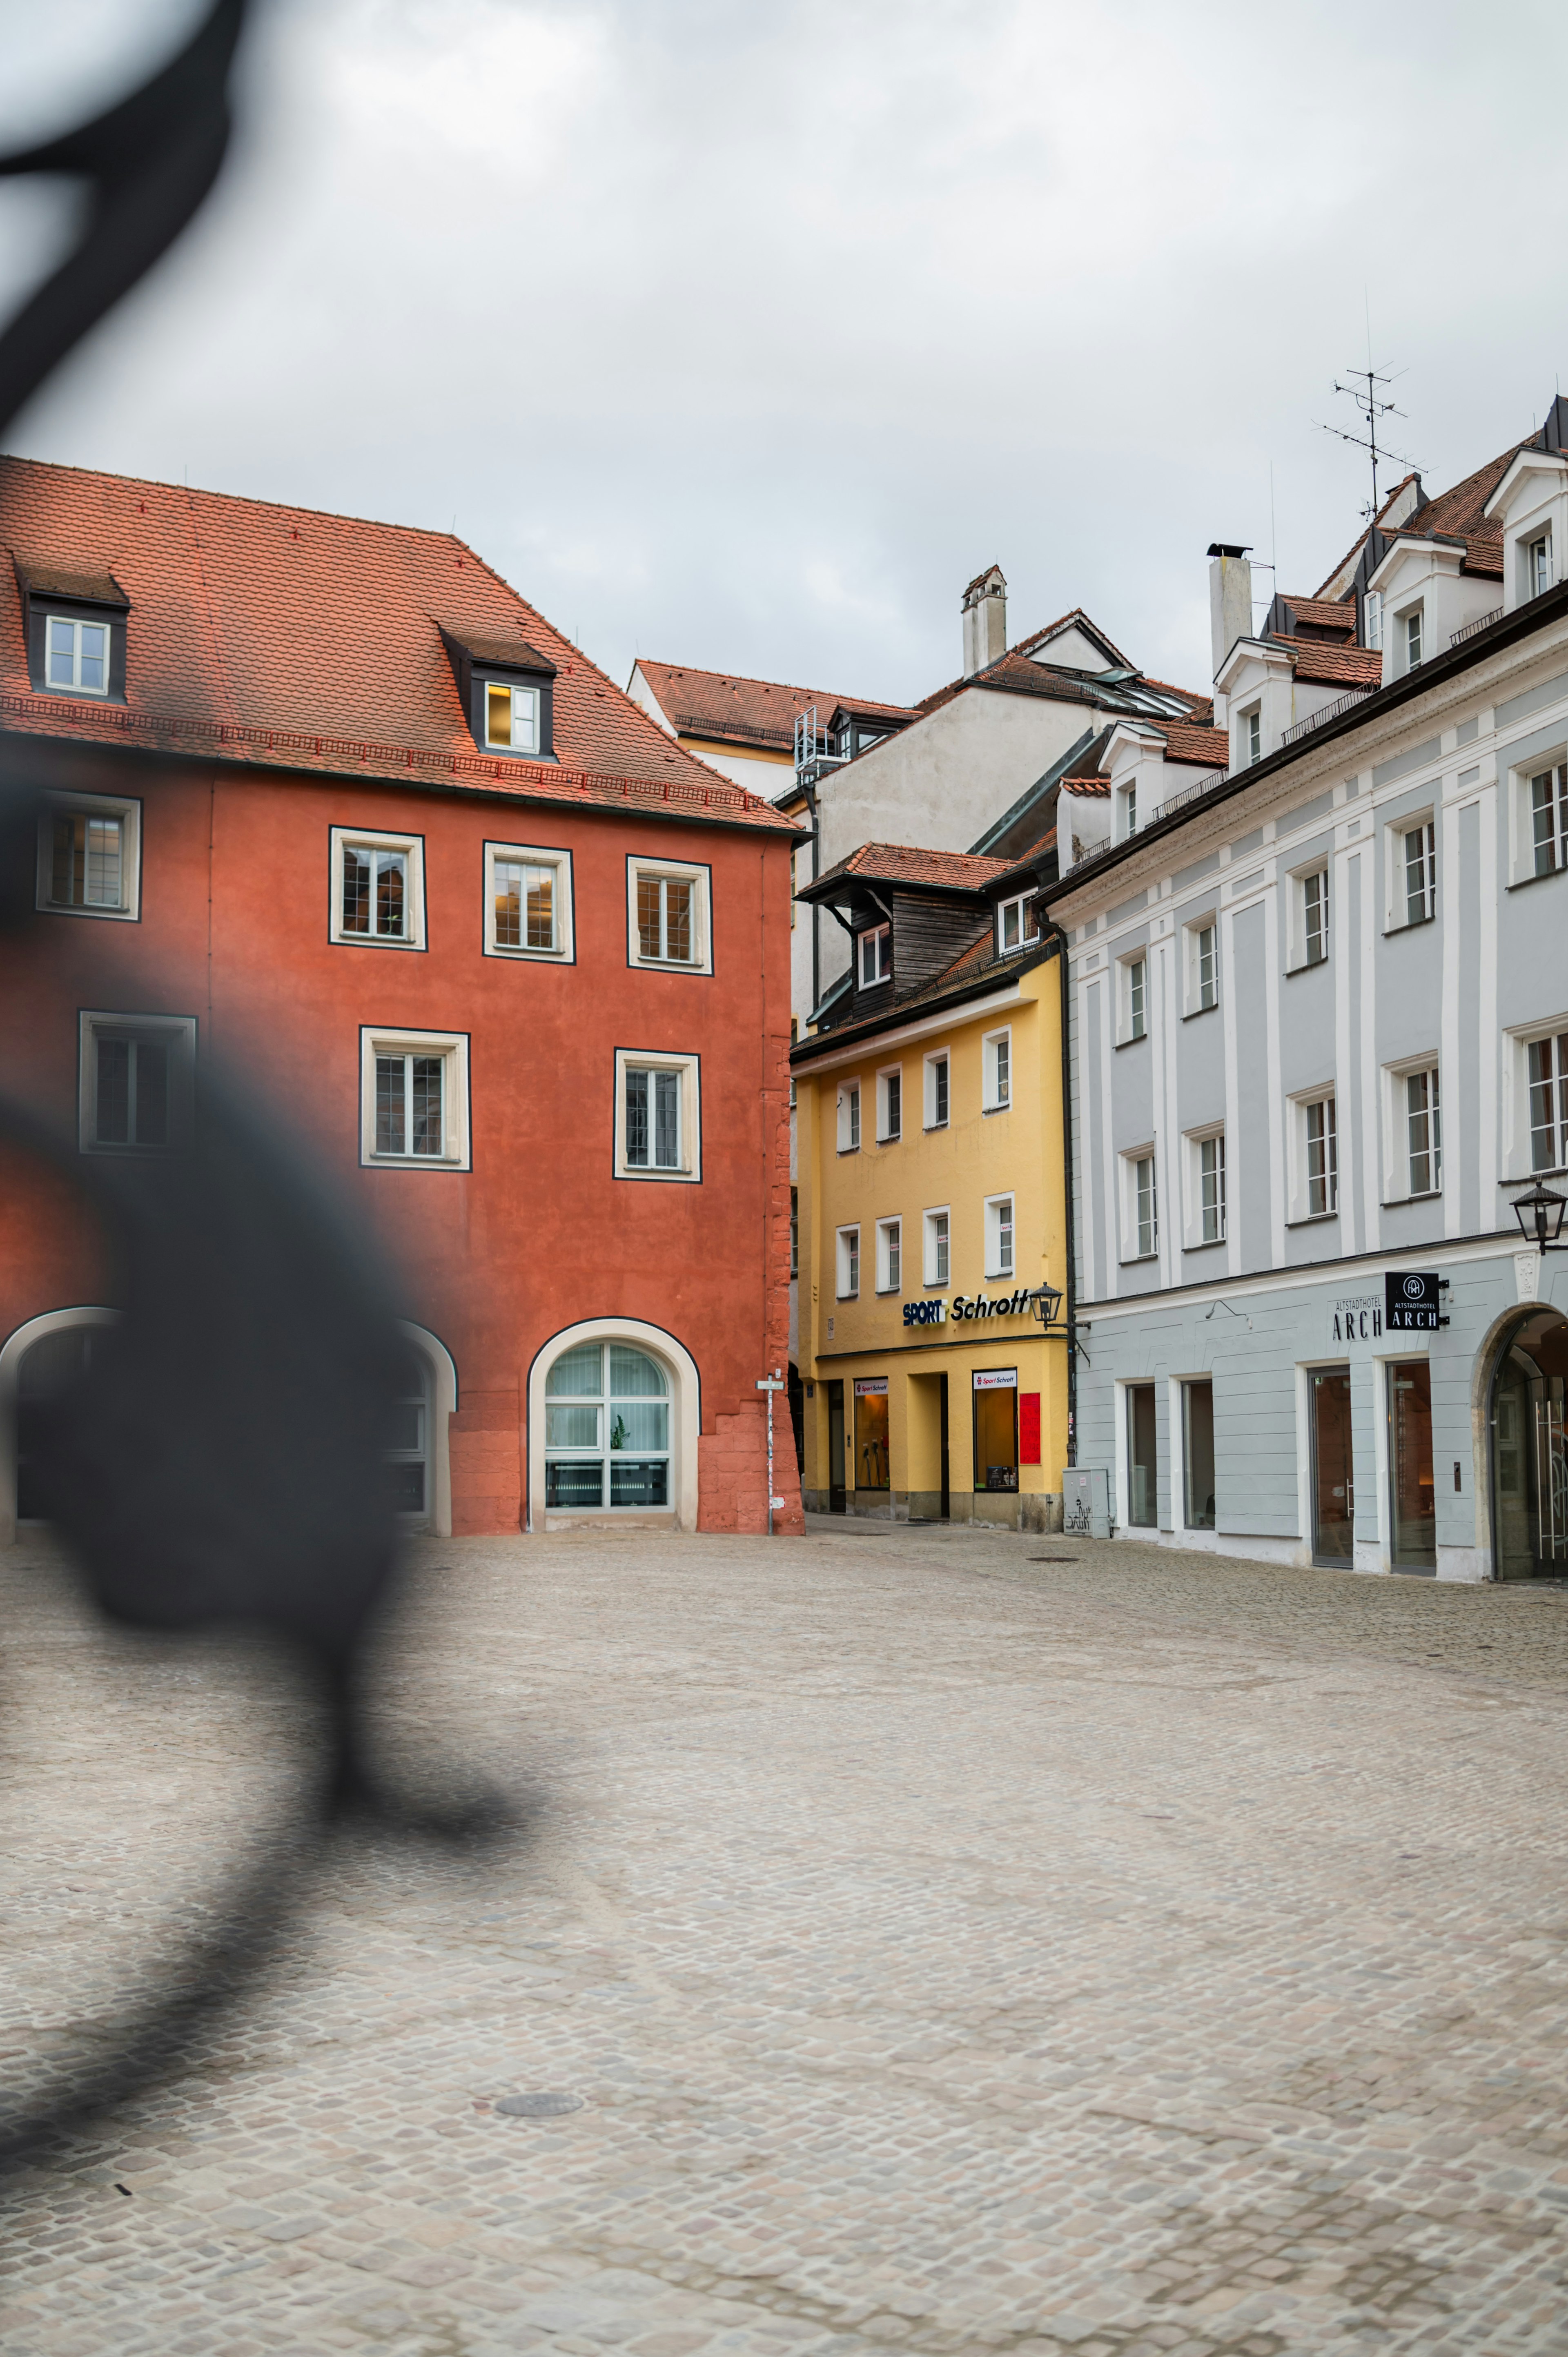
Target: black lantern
x=1044 y=1304
x=1541 y=1211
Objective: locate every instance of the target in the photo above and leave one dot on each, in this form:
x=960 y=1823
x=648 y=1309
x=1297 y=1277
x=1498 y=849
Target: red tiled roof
x=1456 y=514
x=1209 y=748
x=1092 y=782
x=731 y=709
x=901 y=863
x=1321 y=659
x=263 y=633
x=1324 y=613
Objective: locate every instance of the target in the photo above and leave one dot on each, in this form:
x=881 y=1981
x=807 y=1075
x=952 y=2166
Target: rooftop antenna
x=1372 y=407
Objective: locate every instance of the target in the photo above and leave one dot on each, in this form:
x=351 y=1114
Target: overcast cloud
x=743 y=336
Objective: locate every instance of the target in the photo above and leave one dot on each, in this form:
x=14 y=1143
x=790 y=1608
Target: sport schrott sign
x=964 y=1307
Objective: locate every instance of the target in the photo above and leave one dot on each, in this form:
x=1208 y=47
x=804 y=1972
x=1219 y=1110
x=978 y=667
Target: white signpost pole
x=770 y=1383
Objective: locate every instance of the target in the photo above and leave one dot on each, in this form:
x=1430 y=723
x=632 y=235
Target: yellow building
x=932 y=1206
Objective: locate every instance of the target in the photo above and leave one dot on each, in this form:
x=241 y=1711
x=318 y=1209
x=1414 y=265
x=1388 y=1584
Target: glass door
x=1143 y=1470
x=1197 y=1439
x=1530 y=1450
x=837 y=1499
x=1413 y=1492
x=1332 y=1467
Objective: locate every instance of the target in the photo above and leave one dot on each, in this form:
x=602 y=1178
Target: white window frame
x=1021 y=906
x=690 y=1067
x=1397 y=915
x=1522 y=1164
x=938 y=1056
x=98 y=806
x=1250 y=735
x=1531 y=585
x=1001 y=1235
x=849 y=1117
x=535 y=696
x=1125 y=1012
x=884 y=1135
x=77 y=623
x=1414 y=615
x=1301 y=1179
x=533 y=854
x=1133 y=1247
x=453 y=1048
x=873 y=946
x=847 y=1264
x=1372 y=621
x=1398 y=1148
x=374 y=839
x=685 y=871
x=1197 y=1139
x=93 y=1022
x=890 y=1255
x=1523 y=864
x=1300 y=940
x=1127 y=811
x=997 y=1063
x=1192 y=936
x=931 y=1241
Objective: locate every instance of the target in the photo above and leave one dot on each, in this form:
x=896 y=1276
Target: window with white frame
x=1250 y=736
x=1537 y=565
x=659 y=1126
x=1372 y=620
x=76 y=658
x=90 y=849
x=1548 y=820
x=1205 y=1181
x=1202 y=965
x=377 y=889
x=1128 y=800
x=936 y=1256
x=511 y=717
x=669 y=916
x=1419 y=1117
x=1410 y=627
x=1318 y=1151
x=890 y=1106
x=876 y=948
x=414 y=1099
x=137 y=1082
x=1415 y=879
x=1546 y=1081
x=528 y=902
x=848 y=1264
x=889 y=1255
x=999 y=1235
x=1134 y=994
x=606 y=1411
x=849 y=1117
x=1310 y=916
x=938 y=1074
x=1017 y=923
x=997 y=1051
x=1141 y=1204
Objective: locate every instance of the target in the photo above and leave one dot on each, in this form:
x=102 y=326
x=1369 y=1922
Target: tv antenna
x=1371 y=406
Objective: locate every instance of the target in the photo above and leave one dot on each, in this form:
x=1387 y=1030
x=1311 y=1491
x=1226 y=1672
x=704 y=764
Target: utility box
x=1086 y=1501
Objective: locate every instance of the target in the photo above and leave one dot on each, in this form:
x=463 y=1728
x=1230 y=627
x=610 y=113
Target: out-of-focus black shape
x=149 y=162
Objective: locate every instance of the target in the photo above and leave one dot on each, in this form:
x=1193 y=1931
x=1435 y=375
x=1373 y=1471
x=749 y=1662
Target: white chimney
x=1229 y=598
x=984 y=621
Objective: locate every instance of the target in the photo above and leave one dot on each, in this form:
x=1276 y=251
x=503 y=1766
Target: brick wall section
x=486 y=1466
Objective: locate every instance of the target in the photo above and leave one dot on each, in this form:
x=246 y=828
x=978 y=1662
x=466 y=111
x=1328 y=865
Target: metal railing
x=1329 y=711
x=1469 y=630
x=1193 y=794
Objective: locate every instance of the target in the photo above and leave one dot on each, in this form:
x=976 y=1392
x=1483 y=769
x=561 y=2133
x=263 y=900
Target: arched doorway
x=37 y=1363
x=1530 y=1448
x=613 y=1421
x=419 y=1444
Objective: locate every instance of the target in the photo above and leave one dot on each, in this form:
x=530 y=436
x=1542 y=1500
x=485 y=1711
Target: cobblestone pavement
x=955 y=1941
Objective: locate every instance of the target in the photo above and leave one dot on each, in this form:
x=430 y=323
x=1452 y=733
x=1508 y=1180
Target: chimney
x=1229 y=598
x=984 y=621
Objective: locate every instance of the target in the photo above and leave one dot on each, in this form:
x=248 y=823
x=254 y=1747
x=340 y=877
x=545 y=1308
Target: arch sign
x=1410 y=1302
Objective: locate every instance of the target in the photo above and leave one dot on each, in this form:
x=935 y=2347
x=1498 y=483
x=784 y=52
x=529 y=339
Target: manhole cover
x=539 y=2108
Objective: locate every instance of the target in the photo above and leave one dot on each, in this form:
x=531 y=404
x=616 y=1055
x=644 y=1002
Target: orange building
x=329 y=802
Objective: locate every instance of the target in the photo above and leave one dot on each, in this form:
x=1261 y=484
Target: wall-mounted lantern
x=1541 y=1212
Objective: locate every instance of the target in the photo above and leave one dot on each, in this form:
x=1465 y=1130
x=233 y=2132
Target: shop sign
x=925 y=1313
x=870 y=1386
x=996 y=1379
x=1011 y=1304
x=1358 y=1319
x=1411 y=1304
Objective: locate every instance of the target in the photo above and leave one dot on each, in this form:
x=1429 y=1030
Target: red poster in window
x=1028 y=1427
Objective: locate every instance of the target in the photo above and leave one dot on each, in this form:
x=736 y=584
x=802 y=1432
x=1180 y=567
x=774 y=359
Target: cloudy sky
x=743 y=336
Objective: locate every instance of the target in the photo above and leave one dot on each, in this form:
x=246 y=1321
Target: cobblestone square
x=952 y=1940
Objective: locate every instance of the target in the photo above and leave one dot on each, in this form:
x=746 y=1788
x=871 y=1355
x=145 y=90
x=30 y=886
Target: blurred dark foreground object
x=220 y=1459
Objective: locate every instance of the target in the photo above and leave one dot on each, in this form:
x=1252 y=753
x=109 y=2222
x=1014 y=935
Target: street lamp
x=1542 y=1210
x=1044 y=1304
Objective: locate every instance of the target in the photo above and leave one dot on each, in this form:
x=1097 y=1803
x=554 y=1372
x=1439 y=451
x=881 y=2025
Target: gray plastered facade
x=1460 y=988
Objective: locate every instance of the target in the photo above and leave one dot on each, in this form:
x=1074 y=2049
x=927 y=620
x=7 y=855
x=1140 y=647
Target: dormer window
x=1252 y=735
x=1412 y=638
x=78 y=657
x=511 y=717
x=1372 y=619
x=1017 y=923
x=1538 y=565
x=875 y=955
